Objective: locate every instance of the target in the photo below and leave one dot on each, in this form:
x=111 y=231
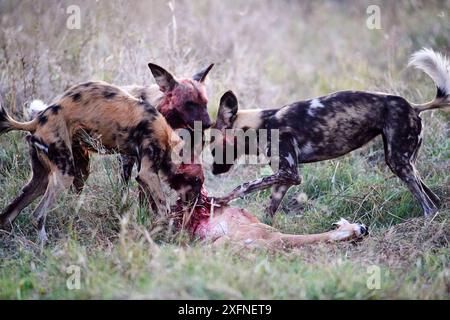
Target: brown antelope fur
x=92 y=111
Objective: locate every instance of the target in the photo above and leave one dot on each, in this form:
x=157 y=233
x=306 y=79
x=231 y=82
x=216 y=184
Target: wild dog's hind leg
x=427 y=190
x=31 y=191
x=402 y=142
x=58 y=182
x=58 y=156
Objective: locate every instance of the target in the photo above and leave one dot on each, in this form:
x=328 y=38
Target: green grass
x=313 y=49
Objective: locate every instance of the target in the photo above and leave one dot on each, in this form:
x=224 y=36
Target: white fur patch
x=306 y=149
x=248 y=241
x=282 y=112
x=290 y=160
x=250 y=118
x=435 y=65
x=41 y=146
x=36 y=106
x=315 y=104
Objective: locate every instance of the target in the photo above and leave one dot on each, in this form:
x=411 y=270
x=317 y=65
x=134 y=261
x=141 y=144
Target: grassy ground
x=270 y=53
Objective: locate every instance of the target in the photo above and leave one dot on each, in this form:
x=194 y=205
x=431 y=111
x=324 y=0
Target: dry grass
x=270 y=53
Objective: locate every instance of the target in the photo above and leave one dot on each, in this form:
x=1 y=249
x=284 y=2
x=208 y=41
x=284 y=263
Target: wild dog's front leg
x=280 y=178
x=81 y=162
x=150 y=184
x=127 y=168
x=286 y=176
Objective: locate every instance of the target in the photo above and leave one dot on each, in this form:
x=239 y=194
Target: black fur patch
x=137 y=134
x=38 y=143
x=109 y=94
x=4 y=123
x=440 y=93
x=143 y=95
x=148 y=107
x=55 y=108
x=76 y=97
x=60 y=155
x=42 y=119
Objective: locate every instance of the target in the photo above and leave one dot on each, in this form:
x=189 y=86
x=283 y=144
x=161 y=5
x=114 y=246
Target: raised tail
x=437 y=67
x=8 y=124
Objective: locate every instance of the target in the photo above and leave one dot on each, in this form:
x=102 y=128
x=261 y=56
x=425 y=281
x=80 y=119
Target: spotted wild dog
x=109 y=116
x=334 y=125
x=238 y=227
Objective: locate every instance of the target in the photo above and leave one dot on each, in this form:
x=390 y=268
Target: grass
x=270 y=54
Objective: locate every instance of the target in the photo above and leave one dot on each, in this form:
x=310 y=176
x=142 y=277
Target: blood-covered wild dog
x=107 y=114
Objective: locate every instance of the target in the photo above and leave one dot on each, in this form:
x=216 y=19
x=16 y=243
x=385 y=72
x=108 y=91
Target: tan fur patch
x=248 y=118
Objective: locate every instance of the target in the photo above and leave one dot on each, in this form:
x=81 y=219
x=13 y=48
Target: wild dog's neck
x=252 y=118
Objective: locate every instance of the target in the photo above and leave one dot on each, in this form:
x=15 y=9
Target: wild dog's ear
x=227 y=110
x=163 y=78
x=201 y=76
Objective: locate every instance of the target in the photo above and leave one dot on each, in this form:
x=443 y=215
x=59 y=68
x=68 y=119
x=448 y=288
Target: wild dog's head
x=222 y=140
x=188 y=181
x=184 y=100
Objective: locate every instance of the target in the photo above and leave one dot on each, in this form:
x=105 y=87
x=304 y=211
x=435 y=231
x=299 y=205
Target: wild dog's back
x=105 y=113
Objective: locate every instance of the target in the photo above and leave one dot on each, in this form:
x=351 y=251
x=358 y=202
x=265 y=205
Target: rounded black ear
x=227 y=110
x=201 y=76
x=163 y=78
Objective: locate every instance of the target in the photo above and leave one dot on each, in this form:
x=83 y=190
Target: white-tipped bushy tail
x=437 y=66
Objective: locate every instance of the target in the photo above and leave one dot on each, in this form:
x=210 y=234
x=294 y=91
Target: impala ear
x=201 y=76
x=228 y=109
x=163 y=78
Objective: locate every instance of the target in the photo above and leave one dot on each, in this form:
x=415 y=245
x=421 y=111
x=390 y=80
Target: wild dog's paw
x=348 y=231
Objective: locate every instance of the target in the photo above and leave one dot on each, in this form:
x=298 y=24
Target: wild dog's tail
x=437 y=67
x=8 y=124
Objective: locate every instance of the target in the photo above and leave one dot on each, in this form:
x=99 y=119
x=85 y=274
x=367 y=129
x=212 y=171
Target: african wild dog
x=331 y=126
x=182 y=102
x=106 y=114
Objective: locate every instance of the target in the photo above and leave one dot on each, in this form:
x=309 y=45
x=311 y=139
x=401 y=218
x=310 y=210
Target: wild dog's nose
x=207 y=124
